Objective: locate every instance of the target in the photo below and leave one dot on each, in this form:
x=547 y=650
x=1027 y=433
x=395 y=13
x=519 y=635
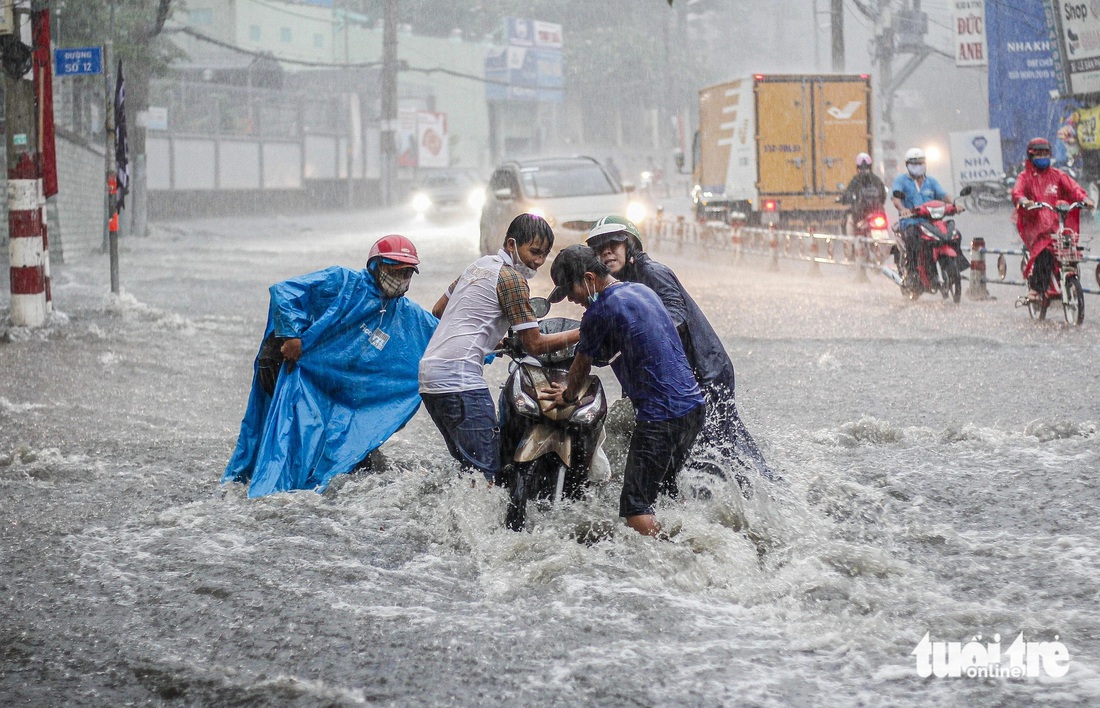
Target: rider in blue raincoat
x=352 y=344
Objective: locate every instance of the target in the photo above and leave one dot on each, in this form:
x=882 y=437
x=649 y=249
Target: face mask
x=1041 y=163
x=592 y=295
x=915 y=170
x=391 y=284
x=522 y=268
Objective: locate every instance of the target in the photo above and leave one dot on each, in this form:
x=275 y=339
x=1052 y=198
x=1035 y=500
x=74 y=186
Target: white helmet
x=914 y=155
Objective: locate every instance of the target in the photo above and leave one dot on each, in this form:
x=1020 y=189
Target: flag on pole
x=122 y=146
x=43 y=84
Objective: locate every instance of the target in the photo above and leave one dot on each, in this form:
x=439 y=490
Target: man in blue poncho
x=336 y=375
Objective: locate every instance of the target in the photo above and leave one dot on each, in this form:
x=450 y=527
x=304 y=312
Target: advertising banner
x=530 y=67
x=405 y=138
x=433 y=148
x=1088 y=122
x=976 y=156
x=1075 y=31
x=969 y=27
x=1022 y=76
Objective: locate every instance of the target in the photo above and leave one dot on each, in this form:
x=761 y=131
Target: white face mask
x=915 y=170
x=522 y=268
x=592 y=295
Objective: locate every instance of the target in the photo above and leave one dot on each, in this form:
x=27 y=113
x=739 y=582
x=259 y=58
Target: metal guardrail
x=813 y=247
x=1002 y=267
x=819 y=248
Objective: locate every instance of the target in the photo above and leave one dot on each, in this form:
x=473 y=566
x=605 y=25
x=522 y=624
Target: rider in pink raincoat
x=1040 y=182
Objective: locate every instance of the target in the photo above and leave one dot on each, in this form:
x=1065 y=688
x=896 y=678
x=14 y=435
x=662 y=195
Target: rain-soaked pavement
x=939 y=465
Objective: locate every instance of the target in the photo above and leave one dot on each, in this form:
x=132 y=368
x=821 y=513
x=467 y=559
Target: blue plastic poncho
x=345 y=397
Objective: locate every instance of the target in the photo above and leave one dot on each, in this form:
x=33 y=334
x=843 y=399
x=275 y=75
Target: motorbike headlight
x=588 y=413
x=421 y=202
x=476 y=199
x=525 y=404
x=636 y=212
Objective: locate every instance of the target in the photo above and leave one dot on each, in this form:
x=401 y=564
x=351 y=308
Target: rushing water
x=938 y=465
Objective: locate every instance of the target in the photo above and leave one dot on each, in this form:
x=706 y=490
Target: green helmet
x=614 y=228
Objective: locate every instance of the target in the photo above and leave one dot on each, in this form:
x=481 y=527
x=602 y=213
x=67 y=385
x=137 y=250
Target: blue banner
x=1022 y=77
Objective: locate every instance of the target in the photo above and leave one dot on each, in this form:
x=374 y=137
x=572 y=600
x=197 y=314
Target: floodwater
x=939 y=468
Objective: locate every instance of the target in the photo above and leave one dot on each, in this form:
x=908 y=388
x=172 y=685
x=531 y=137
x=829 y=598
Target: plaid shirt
x=515 y=296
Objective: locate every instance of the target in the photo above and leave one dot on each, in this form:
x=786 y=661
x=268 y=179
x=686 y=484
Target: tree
x=145 y=54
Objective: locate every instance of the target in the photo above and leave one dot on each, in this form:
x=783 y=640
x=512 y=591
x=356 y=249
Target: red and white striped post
x=27 y=244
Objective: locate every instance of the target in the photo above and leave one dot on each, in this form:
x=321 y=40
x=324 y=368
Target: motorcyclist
x=911 y=189
x=1042 y=182
x=865 y=194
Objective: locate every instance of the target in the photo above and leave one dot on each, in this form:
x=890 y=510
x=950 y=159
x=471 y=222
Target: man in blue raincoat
x=336 y=375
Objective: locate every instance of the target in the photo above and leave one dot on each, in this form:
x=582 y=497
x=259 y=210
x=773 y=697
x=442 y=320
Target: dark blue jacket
x=705 y=353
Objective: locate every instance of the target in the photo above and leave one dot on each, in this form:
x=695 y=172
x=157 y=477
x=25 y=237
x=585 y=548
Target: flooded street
x=939 y=467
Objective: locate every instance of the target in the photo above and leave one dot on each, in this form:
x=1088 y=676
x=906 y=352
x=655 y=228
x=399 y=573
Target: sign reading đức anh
x=1075 y=33
x=970 y=44
x=976 y=156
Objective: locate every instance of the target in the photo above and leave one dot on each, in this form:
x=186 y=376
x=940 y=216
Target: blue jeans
x=468 y=423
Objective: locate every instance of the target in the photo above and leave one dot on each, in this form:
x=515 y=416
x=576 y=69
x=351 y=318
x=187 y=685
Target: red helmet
x=397 y=248
x=1036 y=144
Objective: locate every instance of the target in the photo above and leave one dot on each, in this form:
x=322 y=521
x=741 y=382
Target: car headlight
x=476 y=199
x=421 y=202
x=636 y=212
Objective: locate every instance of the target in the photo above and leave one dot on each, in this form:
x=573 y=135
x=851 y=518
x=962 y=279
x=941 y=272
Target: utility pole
x=837 y=17
x=349 y=155
x=28 y=257
x=389 y=100
x=900 y=31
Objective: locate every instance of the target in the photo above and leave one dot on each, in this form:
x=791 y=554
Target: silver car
x=571 y=193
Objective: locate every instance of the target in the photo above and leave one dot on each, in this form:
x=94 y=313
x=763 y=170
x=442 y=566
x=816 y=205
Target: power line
x=402 y=66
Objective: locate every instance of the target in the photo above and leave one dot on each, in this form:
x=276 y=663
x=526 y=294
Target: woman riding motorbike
x=1041 y=182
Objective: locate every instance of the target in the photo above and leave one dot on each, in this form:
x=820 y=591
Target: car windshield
x=454 y=180
x=565 y=180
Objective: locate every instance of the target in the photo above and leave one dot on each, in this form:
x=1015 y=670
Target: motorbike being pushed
x=546 y=453
x=940 y=260
x=1065 y=283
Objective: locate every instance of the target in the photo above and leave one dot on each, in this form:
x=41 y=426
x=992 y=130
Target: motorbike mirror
x=965 y=192
x=678 y=158
x=541 y=306
x=898 y=194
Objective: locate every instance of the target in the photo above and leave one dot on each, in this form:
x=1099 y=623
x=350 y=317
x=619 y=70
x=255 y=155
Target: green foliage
x=136 y=37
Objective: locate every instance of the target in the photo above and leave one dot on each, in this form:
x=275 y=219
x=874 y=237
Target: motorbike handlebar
x=1043 y=205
